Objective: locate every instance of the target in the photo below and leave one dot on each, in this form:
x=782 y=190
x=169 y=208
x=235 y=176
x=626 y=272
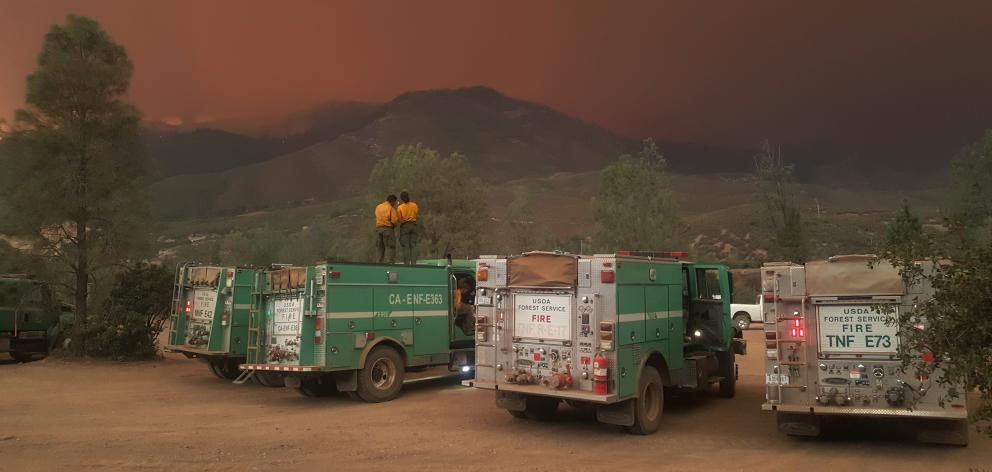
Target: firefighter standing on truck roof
x=408 y=228
x=386 y=218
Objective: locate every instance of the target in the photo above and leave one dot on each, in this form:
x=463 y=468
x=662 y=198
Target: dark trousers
x=408 y=241
x=385 y=245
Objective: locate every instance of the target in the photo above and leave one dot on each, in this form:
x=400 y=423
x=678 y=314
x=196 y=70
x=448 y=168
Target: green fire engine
x=609 y=331
x=358 y=328
x=209 y=318
x=30 y=318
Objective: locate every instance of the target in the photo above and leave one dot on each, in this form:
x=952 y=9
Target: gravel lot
x=174 y=415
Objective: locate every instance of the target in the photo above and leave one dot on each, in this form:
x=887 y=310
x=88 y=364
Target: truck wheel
x=798 y=424
x=948 y=432
x=649 y=404
x=22 y=356
x=540 y=408
x=728 y=386
x=517 y=414
x=268 y=379
x=382 y=377
x=224 y=368
x=742 y=320
x=318 y=387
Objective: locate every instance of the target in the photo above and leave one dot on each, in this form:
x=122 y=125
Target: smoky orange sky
x=911 y=77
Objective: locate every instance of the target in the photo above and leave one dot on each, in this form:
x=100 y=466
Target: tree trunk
x=82 y=287
x=82 y=257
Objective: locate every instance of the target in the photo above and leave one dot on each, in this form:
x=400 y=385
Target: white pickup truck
x=744 y=314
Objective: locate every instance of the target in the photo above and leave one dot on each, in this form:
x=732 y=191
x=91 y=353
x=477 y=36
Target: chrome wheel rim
x=383 y=373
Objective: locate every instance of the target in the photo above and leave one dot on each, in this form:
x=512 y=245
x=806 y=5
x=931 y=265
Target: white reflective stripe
x=369 y=314
x=242 y=306
x=428 y=313
x=349 y=314
x=659 y=316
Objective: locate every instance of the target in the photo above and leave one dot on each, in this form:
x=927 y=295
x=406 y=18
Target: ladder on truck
x=177 y=295
x=256 y=330
x=799 y=344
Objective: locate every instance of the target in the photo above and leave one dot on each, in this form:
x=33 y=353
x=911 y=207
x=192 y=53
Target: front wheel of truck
x=728 y=372
x=382 y=377
x=649 y=404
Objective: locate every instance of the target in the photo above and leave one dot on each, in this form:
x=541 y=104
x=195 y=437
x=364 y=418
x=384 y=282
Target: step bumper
x=280 y=368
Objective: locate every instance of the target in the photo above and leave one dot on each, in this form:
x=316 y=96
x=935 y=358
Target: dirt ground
x=174 y=415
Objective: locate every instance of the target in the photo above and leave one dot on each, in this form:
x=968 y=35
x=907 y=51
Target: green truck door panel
x=627 y=370
x=630 y=314
x=349 y=309
x=711 y=300
x=392 y=307
x=431 y=326
x=656 y=312
x=676 y=326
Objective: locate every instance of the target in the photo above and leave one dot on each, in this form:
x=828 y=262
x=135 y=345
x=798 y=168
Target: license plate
x=776 y=379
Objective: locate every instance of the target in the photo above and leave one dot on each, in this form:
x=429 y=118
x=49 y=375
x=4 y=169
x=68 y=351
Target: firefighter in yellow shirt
x=386 y=219
x=407 y=212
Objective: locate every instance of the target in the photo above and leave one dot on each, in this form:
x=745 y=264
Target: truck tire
x=798 y=424
x=22 y=356
x=517 y=414
x=541 y=408
x=269 y=379
x=649 y=404
x=947 y=432
x=323 y=386
x=728 y=371
x=382 y=377
x=742 y=320
x=224 y=368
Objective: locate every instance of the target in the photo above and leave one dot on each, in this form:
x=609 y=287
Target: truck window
x=21 y=295
x=708 y=284
x=9 y=295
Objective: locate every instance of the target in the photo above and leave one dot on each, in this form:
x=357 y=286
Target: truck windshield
x=708 y=283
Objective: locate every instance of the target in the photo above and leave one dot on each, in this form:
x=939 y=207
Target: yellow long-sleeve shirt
x=385 y=216
x=407 y=212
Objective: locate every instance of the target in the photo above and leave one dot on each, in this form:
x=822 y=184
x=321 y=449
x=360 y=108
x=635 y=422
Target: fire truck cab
x=610 y=331
x=832 y=349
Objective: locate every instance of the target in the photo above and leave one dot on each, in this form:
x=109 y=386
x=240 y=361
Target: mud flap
x=797 y=424
x=620 y=413
x=511 y=401
x=347 y=381
x=740 y=346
